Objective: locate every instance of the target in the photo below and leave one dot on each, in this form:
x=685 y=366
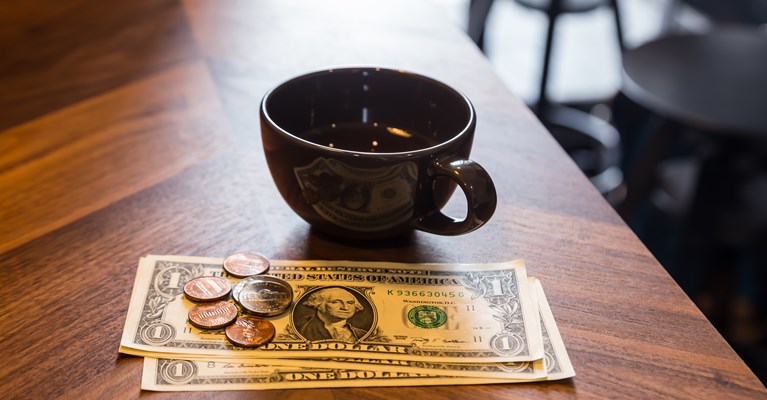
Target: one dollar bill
x=165 y=374
x=459 y=313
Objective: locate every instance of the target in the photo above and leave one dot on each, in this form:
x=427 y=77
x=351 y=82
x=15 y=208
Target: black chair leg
x=543 y=101
x=641 y=176
x=618 y=25
x=478 y=12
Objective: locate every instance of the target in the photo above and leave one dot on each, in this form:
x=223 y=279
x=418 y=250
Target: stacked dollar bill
x=353 y=324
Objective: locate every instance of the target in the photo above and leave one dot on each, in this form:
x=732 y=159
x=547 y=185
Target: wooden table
x=131 y=127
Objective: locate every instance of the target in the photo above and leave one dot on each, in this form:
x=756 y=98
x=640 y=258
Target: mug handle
x=478 y=188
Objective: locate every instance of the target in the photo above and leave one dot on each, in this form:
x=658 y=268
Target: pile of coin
x=256 y=296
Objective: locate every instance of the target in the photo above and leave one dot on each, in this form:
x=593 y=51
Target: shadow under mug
x=367 y=153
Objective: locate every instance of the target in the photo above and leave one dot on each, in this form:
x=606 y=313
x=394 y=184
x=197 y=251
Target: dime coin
x=237 y=289
x=207 y=288
x=213 y=315
x=250 y=331
x=242 y=265
x=265 y=295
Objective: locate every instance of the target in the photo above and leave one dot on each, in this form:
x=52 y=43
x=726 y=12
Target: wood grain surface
x=131 y=127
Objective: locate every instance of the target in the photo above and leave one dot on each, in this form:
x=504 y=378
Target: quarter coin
x=213 y=315
x=244 y=264
x=250 y=331
x=265 y=295
x=207 y=288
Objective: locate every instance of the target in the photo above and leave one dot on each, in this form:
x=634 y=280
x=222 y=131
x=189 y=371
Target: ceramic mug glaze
x=367 y=152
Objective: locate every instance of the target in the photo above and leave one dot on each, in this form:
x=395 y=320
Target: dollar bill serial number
x=424 y=293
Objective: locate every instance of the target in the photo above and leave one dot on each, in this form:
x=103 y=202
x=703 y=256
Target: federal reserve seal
x=427 y=317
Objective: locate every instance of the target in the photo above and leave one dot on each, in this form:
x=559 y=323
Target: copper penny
x=213 y=315
x=242 y=265
x=207 y=288
x=264 y=295
x=250 y=331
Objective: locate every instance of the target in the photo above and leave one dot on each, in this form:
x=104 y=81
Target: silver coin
x=264 y=295
x=237 y=289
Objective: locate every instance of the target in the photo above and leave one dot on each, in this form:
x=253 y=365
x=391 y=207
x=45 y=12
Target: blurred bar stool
x=709 y=92
x=592 y=143
x=554 y=9
x=714 y=83
x=479 y=10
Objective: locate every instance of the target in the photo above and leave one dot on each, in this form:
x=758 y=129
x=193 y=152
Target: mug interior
x=373 y=110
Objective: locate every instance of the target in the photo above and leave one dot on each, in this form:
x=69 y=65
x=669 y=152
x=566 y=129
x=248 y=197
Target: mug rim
x=364 y=154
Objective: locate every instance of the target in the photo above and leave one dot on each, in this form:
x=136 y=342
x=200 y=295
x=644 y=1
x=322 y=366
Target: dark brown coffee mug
x=367 y=153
